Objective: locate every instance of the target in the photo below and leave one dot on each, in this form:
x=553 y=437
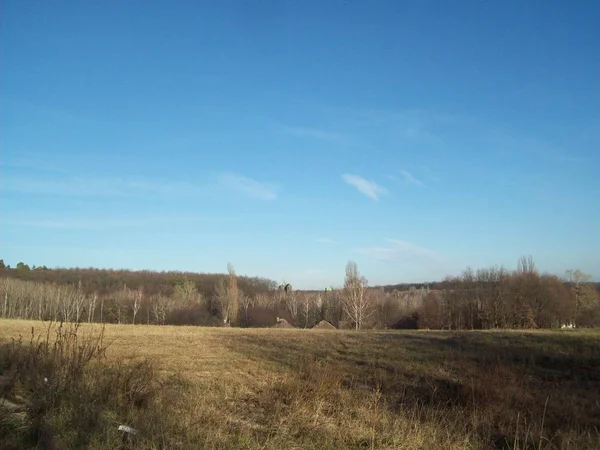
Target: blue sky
x=413 y=137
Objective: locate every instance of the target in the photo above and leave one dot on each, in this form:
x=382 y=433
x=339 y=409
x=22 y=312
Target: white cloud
x=325 y=241
x=410 y=178
x=366 y=187
x=248 y=187
x=402 y=251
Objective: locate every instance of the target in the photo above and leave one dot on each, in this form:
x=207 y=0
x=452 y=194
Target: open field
x=288 y=388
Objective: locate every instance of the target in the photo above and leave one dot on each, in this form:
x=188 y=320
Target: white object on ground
x=127 y=429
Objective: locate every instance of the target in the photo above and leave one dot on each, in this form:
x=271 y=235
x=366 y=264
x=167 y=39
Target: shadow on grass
x=545 y=383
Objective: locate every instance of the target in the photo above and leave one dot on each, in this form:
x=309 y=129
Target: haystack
x=282 y=323
x=324 y=325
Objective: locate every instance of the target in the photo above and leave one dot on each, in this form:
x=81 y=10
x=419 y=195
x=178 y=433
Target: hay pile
x=324 y=325
x=282 y=323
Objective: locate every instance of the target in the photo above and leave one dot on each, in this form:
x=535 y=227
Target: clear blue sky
x=414 y=137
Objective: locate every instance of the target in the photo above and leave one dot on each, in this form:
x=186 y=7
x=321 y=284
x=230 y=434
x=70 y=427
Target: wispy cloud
x=99 y=222
x=410 y=178
x=76 y=224
x=416 y=126
x=99 y=187
x=126 y=187
x=364 y=186
x=312 y=133
x=248 y=187
x=325 y=241
x=31 y=162
x=402 y=251
x=439 y=131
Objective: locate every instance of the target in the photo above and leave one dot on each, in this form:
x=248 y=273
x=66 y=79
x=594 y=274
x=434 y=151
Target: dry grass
x=289 y=388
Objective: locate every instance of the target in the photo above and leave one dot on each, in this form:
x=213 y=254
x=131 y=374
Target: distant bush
x=259 y=316
x=193 y=315
x=410 y=322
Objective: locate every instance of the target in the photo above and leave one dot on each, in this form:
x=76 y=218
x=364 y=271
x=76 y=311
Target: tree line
x=108 y=281
x=477 y=299
x=524 y=298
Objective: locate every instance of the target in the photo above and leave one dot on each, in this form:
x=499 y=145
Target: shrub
x=64 y=393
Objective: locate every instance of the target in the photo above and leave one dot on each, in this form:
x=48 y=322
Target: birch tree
x=92 y=306
x=355 y=299
x=137 y=303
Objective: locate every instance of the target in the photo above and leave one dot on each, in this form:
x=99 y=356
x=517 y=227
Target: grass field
x=292 y=389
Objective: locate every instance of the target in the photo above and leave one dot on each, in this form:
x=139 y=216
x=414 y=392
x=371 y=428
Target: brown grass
x=291 y=388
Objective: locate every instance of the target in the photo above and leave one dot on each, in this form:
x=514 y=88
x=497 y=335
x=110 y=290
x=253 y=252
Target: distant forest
x=477 y=299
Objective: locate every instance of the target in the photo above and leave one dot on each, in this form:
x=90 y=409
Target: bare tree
x=585 y=294
x=291 y=304
x=355 y=299
x=92 y=306
x=102 y=309
x=220 y=299
x=160 y=306
x=526 y=265
x=264 y=300
x=245 y=302
x=137 y=303
x=5 y=305
x=306 y=301
x=227 y=296
x=67 y=303
x=79 y=300
x=186 y=294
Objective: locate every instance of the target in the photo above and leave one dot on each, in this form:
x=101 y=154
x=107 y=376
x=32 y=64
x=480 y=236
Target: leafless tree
x=526 y=265
x=306 y=301
x=264 y=300
x=137 y=303
x=102 y=309
x=5 y=305
x=356 y=302
x=92 y=299
x=186 y=294
x=79 y=300
x=586 y=297
x=227 y=296
x=160 y=306
x=291 y=304
x=287 y=298
x=245 y=302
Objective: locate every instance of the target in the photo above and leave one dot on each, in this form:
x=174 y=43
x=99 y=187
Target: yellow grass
x=282 y=388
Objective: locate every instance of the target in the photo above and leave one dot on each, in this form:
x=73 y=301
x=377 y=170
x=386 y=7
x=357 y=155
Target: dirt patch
x=324 y=325
x=282 y=323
